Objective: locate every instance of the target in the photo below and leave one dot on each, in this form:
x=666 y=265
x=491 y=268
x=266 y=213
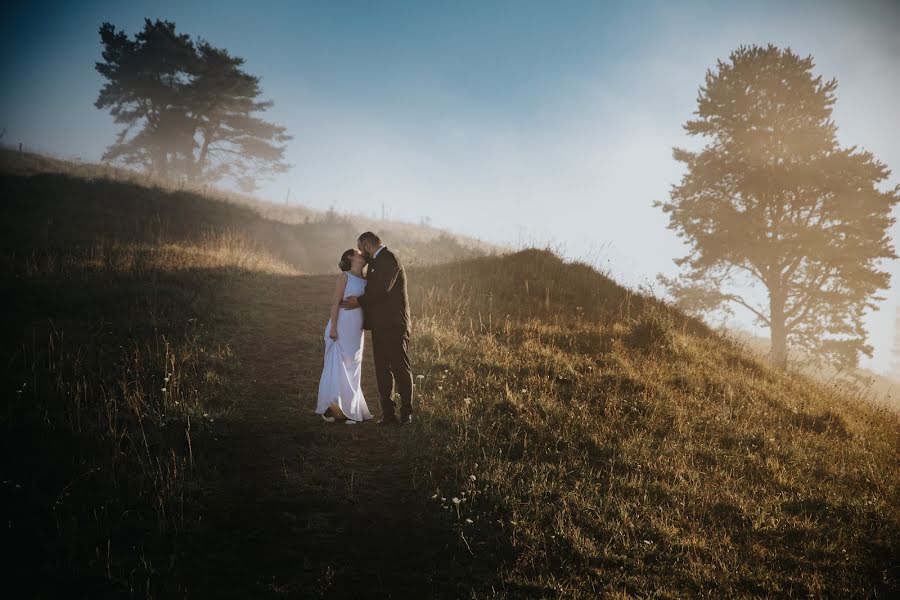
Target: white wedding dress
x=343 y=360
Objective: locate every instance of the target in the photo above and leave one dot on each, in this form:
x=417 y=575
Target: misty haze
x=479 y=300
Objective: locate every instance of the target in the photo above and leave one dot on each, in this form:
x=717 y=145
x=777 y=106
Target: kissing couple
x=376 y=300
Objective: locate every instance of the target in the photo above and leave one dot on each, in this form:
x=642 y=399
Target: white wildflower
x=469 y=521
x=472 y=478
x=456 y=500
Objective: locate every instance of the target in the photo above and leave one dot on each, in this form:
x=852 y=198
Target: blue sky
x=518 y=122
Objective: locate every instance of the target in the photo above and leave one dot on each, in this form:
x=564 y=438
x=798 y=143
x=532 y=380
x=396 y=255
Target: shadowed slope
x=80 y=203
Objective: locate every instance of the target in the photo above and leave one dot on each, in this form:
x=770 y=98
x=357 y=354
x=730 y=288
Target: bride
x=340 y=395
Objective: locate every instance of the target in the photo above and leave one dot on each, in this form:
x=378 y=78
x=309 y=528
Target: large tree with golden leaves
x=772 y=202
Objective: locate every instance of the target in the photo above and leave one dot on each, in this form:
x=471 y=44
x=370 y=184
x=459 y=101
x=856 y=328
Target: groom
x=386 y=312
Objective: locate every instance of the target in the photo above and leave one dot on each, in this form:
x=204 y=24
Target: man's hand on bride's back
x=350 y=302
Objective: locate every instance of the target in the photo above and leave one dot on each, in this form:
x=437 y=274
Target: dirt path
x=299 y=508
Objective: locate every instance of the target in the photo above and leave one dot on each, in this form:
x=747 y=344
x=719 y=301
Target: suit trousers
x=390 y=347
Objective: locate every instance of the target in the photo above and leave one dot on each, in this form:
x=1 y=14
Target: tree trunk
x=778 y=352
x=162 y=165
x=201 y=159
x=209 y=134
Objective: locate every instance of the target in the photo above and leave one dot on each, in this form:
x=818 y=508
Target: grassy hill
x=860 y=382
x=91 y=208
x=607 y=445
x=575 y=439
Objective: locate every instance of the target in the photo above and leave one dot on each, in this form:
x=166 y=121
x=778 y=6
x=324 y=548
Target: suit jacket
x=385 y=302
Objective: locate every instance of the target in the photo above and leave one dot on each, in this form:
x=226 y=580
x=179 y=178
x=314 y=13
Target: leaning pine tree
x=773 y=203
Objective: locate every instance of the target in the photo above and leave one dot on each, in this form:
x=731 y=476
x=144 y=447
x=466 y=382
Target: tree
x=187 y=109
x=772 y=200
x=146 y=78
x=232 y=142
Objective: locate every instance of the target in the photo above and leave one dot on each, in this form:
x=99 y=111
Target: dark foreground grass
x=111 y=385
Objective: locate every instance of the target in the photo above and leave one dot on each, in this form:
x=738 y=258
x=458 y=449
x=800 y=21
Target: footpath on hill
x=294 y=507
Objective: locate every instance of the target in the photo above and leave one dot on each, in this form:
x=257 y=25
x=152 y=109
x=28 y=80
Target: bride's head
x=350 y=259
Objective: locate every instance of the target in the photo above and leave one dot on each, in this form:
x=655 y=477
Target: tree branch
x=742 y=302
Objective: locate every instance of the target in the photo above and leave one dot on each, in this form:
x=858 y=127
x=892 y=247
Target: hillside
x=861 y=383
x=574 y=439
x=97 y=203
x=610 y=446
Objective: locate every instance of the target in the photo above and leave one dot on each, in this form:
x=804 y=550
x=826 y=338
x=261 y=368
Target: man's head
x=368 y=243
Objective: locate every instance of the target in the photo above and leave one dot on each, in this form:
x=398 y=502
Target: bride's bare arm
x=339 y=286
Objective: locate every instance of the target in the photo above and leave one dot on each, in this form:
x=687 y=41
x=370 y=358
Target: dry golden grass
x=117 y=339
x=414 y=239
x=589 y=440
x=227 y=250
x=619 y=449
x=861 y=383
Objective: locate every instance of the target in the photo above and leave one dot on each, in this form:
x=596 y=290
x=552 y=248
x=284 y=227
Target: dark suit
x=385 y=306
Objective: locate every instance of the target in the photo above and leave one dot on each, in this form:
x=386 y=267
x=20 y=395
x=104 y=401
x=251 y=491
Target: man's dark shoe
x=388 y=421
x=406 y=420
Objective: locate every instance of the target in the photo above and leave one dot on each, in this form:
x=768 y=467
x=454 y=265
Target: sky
x=518 y=122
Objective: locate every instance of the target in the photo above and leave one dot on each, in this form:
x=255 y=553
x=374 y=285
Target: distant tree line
x=773 y=202
x=188 y=110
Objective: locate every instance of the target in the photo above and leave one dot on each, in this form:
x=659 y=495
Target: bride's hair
x=344 y=264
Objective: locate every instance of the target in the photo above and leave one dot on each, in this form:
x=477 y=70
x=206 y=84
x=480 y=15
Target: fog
x=515 y=123
x=582 y=170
